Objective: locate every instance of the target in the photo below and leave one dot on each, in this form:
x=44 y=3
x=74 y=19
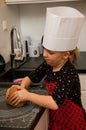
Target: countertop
x=32 y=63
x=23 y=118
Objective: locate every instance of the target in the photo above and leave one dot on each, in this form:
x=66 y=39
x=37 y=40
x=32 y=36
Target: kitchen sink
x=21 y=70
x=13 y=74
x=8 y=76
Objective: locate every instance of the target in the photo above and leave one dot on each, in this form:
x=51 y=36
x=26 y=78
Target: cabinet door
x=34 y=1
x=43 y=122
x=83 y=89
x=83 y=97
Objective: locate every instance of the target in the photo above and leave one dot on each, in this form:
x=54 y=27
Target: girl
x=59 y=73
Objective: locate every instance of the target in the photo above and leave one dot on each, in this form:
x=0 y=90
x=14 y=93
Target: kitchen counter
x=32 y=63
x=23 y=118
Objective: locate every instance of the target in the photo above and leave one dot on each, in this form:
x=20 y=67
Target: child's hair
x=73 y=56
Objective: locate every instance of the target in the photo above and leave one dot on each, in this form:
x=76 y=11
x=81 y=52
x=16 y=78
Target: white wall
x=11 y=15
x=32 y=17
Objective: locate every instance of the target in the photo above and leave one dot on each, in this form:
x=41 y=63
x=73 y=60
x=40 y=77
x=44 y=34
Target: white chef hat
x=62 y=28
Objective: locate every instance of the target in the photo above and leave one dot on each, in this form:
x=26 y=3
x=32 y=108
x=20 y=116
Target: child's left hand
x=18 y=97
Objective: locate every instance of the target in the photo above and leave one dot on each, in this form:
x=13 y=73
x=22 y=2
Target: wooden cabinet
x=34 y=1
x=43 y=122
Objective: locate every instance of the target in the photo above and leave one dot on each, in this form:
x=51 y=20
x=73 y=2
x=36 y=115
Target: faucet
x=14 y=44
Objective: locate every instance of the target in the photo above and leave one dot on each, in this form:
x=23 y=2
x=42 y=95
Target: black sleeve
x=38 y=74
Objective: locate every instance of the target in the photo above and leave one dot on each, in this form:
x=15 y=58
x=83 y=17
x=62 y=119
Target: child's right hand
x=17 y=86
x=9 y=94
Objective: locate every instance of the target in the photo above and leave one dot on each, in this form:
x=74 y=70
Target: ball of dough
x=8 y=100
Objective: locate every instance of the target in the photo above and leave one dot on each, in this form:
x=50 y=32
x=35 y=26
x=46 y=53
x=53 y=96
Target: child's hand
x=17 y=97
x=7 y=92
x=10 y=92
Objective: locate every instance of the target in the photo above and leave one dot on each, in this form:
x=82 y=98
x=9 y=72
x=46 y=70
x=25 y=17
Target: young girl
x=59 y=73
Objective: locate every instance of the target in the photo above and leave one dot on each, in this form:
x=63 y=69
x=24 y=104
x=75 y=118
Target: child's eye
x=50 y=52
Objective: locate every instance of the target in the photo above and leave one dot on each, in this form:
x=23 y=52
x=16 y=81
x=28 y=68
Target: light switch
x=4 y=24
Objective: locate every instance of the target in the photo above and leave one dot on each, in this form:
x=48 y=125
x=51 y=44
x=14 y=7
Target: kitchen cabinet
x=34 y=1
x=83 y=89
x=43 y=122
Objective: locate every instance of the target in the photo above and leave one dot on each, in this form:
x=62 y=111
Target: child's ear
x=66 y=55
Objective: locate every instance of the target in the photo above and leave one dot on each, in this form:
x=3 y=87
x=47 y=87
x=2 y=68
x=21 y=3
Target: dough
x=13 y=89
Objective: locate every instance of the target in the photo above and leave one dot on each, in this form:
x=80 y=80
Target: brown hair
x=73 y=56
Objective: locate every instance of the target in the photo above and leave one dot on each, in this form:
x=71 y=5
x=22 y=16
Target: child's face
x=54 y=58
